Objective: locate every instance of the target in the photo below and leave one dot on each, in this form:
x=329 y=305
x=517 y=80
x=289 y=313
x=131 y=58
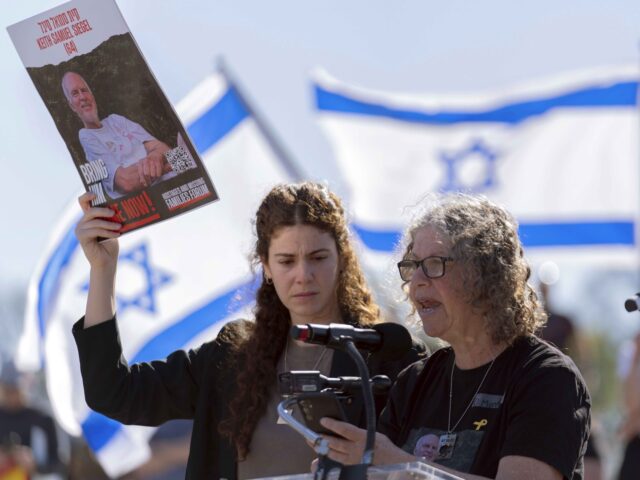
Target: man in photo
x=133 y=158
x=427 y=446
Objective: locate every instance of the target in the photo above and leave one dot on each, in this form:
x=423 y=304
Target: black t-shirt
x=33 y=429
x=630 y=468
x=532 y=403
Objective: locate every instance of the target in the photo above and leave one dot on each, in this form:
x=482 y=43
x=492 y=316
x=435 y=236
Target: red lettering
x=135 y=207
x=81 y=27
x=44 y=42
x=45 y=26
x=148 y=200
x=119 y=214
x=62 y=35
x=59 y=20
x=70 y=47
x=73 y=14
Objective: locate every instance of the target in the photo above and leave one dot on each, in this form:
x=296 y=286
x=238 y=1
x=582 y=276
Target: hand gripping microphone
x=390 y=341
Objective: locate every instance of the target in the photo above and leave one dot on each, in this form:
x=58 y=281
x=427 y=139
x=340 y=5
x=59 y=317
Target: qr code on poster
x=180 y=159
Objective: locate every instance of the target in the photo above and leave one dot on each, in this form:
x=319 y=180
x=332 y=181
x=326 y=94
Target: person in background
x=169 y=453
x=630 y=429
x=28 y=436
x=561 y=332
x=559 y=329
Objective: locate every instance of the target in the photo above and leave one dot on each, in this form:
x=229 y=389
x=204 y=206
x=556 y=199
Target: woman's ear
x=266 y=270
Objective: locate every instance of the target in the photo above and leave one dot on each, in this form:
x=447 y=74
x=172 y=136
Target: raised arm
x=102 y=256
x=142 y=393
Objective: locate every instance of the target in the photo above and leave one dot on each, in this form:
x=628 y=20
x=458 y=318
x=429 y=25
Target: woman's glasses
x=432 y=267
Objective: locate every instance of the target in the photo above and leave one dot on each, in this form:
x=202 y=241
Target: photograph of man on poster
x=133 y=158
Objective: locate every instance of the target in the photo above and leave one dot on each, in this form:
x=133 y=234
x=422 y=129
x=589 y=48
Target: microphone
x=390 y=341
x=379 y=383
x=632 y=304
x=311 y=381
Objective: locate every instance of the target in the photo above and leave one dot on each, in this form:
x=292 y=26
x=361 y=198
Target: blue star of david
x=154 y=279
x=454 y=161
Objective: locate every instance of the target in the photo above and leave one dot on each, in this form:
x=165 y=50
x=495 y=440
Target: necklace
x=286 y=369
x=315 y=366
x=448 y=441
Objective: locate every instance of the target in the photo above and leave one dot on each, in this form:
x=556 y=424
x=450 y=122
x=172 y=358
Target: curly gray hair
x=484 y=241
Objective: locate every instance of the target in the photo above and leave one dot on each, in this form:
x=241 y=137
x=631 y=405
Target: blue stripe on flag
x=378 y=240
x=531 y=234
x=219 y=120
x=49 y=281
x=623 y=94
x=577 y=234
x=98 y=429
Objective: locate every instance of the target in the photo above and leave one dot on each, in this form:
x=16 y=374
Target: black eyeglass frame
x=420 y=263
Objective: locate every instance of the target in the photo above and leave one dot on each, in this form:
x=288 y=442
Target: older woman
x=503 y=403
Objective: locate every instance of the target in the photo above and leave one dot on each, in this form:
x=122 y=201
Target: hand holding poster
x=125 y=139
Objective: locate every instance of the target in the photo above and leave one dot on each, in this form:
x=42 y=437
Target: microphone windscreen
x=396 y=341
x=631 y=305
x=299 y=332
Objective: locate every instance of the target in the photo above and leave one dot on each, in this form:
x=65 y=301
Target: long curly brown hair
x=484 y=241
x=259 y=349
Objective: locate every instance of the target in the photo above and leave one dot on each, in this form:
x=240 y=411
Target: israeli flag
x=178 y=281
x=561 y=154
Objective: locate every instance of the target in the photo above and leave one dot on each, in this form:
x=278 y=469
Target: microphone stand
x=341 y=339
x=320 y=445
x=359 y=472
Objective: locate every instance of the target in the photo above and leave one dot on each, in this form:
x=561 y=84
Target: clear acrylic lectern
x=400 y=471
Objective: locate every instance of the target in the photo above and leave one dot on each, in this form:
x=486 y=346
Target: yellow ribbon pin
x=480 y=423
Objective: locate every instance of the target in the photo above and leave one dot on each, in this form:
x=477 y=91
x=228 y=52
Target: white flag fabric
x=561 y=154
x=178 y=281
